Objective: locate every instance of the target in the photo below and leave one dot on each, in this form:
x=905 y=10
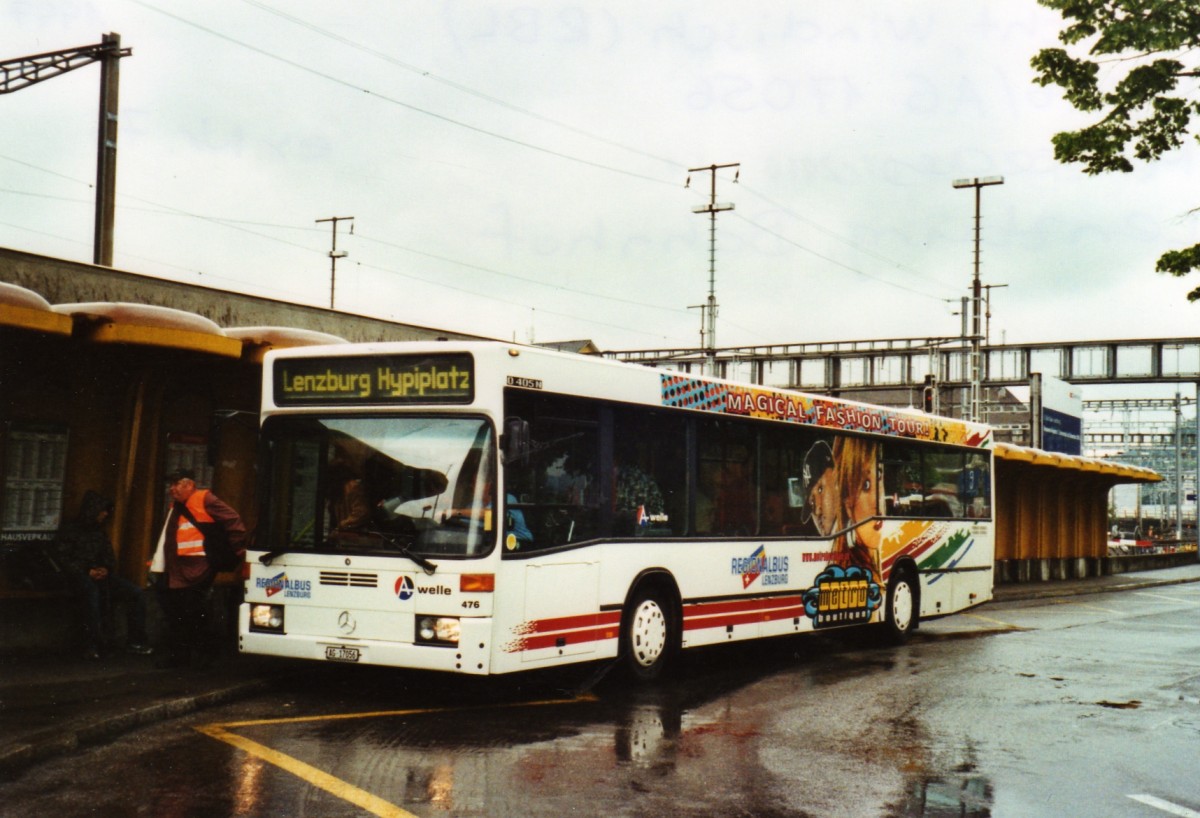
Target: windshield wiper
x=404 y=551
x=269 y=557
x=398 y=546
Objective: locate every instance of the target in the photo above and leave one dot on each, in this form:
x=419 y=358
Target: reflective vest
x=189 y=540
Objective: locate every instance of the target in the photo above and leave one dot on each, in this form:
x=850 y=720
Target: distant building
x=584 y=347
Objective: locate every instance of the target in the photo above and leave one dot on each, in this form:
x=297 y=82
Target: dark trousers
x=96 y=599
x=186 y=611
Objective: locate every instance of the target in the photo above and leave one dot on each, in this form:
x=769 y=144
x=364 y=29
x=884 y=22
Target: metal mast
x=976 y=297
x=22 y=72
x=334 y=255
x=708 y=336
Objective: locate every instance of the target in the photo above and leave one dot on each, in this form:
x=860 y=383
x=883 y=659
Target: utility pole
x=334 y=255
x=987 y=326
x=1178 y=466
x=703 y=321
x=106 y=151
x=709 y=314
x=22 y=72
x=976 y=293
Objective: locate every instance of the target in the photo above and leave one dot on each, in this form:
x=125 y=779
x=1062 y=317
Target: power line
x=235 y=224
x=834 y=261
x=515 y=277
x=402 y=104
x=456 y=85
x=558 y=123
x=844 y=239
x=523 y=305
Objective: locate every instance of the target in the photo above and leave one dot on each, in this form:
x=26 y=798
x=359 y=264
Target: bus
x=485 y=508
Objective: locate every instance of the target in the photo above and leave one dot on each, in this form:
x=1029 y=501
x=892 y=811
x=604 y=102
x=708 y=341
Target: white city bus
x=488 y=508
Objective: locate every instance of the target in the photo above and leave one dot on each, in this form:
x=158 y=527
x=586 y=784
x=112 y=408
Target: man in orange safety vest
x=186 y=577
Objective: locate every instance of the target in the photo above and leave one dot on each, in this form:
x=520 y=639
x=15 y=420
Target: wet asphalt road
x=1087 y=706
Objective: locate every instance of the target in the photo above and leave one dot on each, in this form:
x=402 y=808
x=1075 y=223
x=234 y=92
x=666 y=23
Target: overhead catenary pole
x=1178 y=466
x=22 y=72
x=976 y=412
x=334 y=255
x=708 y=334
x=987 y=313
x=106 y=151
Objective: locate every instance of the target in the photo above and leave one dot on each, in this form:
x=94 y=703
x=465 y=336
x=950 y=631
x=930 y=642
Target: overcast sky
x=517 y=170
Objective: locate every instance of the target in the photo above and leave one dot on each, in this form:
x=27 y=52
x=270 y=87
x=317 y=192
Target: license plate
x=337 y=653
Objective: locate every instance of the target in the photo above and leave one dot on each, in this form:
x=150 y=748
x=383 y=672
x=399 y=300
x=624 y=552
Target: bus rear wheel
x=901 y=615
x=649 y=637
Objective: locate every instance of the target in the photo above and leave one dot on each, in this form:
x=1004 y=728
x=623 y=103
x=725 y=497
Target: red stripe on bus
x=739 y=605
x=723 y=614
x=551 y=640
x=575 y=630
x=571 y=623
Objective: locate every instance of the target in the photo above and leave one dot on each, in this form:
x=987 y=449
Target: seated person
x=89 y=562
x=349 y=509
x=517 y=533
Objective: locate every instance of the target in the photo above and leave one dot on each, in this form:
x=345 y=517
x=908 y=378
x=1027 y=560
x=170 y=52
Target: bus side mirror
x=514 y=441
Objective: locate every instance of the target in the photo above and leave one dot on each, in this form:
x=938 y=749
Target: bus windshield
x=376 y=484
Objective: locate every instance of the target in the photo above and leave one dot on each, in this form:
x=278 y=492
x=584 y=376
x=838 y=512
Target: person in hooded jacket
x=89 y=563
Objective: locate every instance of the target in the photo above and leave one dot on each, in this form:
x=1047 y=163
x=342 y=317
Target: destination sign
x=374 y=379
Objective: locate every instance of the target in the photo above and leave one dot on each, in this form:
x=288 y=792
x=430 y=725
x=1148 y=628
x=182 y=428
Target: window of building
x=35 y=470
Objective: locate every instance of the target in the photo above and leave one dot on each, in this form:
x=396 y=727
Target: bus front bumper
x=471 y=655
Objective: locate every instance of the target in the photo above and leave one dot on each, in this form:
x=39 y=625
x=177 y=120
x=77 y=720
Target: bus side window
x=902 y=486
x=975 y=487
x=942 y=470
x=649 y=484
x=552 y=485
x=727 y=492
x=791 y=467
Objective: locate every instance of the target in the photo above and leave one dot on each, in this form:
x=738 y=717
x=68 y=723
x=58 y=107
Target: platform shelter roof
x=1114 y=471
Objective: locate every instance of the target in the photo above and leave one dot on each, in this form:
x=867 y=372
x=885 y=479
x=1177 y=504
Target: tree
x=1150 y=99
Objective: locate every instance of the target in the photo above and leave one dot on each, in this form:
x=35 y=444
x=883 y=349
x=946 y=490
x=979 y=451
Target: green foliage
x=1180 y=263
x=1149 y=108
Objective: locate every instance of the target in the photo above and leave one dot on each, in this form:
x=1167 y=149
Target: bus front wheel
x=901 y=607
x=650 y=637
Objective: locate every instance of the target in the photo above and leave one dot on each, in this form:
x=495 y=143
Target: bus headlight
x=437 y=630
x=267 y=618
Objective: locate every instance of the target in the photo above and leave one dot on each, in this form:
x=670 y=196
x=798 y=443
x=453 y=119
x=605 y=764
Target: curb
x=1082 y=590
x=61 y=740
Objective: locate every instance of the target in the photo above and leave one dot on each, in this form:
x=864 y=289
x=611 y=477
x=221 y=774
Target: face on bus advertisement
x=820 y=488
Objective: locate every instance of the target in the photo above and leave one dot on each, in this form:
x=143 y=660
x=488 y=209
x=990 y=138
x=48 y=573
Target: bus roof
x=498 y=365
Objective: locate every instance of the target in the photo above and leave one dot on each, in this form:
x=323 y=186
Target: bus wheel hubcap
x=648 y=633
x=902 y=605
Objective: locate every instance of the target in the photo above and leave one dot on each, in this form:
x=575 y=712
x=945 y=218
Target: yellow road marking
x=583 y=699
x=332 y=784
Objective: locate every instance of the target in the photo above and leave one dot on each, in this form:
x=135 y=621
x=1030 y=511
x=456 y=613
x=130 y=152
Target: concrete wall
x=64 y=282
